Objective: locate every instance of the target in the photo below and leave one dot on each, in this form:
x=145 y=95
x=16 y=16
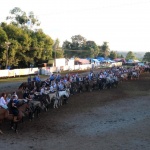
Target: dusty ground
x=115 y=119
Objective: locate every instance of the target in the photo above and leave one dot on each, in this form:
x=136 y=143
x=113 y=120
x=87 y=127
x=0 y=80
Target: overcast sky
x=125 y=24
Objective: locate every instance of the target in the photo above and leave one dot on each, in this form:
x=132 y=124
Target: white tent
x=96 y=61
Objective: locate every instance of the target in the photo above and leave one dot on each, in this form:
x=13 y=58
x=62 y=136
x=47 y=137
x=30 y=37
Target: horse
x=124 y=76
x=6 y=114
x=43 y=99
x=102 y=83
x=35 y=108
x=73 y=88
x=64 y=94
x=89 y=85
x=134 y=75
x=26 y=85
x=51 y=96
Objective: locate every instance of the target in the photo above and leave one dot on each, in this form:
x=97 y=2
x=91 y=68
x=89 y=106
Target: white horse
x=56 y=102
x=135 y=75
x=124 y=76
x=63 y=93
x=51 y=95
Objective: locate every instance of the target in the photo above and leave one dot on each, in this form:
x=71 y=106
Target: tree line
x=24 y=44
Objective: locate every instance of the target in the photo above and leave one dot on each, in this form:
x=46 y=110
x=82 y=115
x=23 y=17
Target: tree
x=81 y=48
x=57 y=50
x=76 y=47
x=3 y=36
x=78 y=41
x=21 y=19
x=130 y=55
x=92 y=49
x=3 y=48
x=146 y=57
x=113 y=55
x=66 y=48
x=105 y=50
x=27 y=46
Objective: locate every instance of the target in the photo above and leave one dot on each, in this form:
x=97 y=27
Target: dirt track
x=115 y=119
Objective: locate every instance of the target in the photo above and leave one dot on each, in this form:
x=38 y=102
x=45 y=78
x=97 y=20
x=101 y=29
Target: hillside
x=138 y=55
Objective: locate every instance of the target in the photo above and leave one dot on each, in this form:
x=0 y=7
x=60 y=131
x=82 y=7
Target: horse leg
x=54 y=104
x=0 y=129
x=30 y=116
x=12 y=125
x=16 y=126
x=1 y=132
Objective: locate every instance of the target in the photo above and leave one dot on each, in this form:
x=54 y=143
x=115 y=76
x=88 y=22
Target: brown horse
x=26 y=85
x=4 y=114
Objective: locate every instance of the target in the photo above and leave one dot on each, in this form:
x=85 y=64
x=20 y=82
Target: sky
x=124 y=24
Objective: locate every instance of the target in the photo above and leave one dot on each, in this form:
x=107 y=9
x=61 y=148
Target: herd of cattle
x=39 y=97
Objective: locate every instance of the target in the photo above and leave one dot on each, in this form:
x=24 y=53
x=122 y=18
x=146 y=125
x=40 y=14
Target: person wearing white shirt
x=51 y=89
x=55 y=86
x=3 y=103
x=61 y=86
x=8 y=98
x=15 y=94
x=42 y=91
x=101 y=76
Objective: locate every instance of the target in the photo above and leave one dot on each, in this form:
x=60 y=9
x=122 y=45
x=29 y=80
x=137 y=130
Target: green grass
x=19 y=79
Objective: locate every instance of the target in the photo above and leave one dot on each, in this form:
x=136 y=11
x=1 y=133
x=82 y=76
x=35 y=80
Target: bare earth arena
x=110 y=119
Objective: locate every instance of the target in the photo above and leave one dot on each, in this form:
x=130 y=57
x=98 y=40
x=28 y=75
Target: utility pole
x=7 y=48
x=55 y=59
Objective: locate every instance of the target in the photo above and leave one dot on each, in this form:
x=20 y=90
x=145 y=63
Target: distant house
x=79 y=61
x=120 y=60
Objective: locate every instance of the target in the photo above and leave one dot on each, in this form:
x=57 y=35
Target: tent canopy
x=96 y=60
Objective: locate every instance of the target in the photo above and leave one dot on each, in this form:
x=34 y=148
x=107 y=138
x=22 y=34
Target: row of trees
x=79 y=47
x=23 y=43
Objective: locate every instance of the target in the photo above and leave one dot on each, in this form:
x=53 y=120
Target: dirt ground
x=114 y=119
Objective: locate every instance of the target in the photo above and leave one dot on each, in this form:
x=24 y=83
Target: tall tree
x=21 y=19
x=105 y=49
x=113 y=55
x=130 y=55
x=79 y=47
x=3 y=48
x=57 y=50
x=66 y=48
x=76 y=47
x=27 y=46
x=78 y=41
x=92 y=49
x=146 y=57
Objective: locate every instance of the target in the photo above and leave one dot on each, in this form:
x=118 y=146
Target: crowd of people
x=57 y=82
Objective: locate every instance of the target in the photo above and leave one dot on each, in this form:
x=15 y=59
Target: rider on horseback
x=3 y=103
x=61 y=86
x=14 y=107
